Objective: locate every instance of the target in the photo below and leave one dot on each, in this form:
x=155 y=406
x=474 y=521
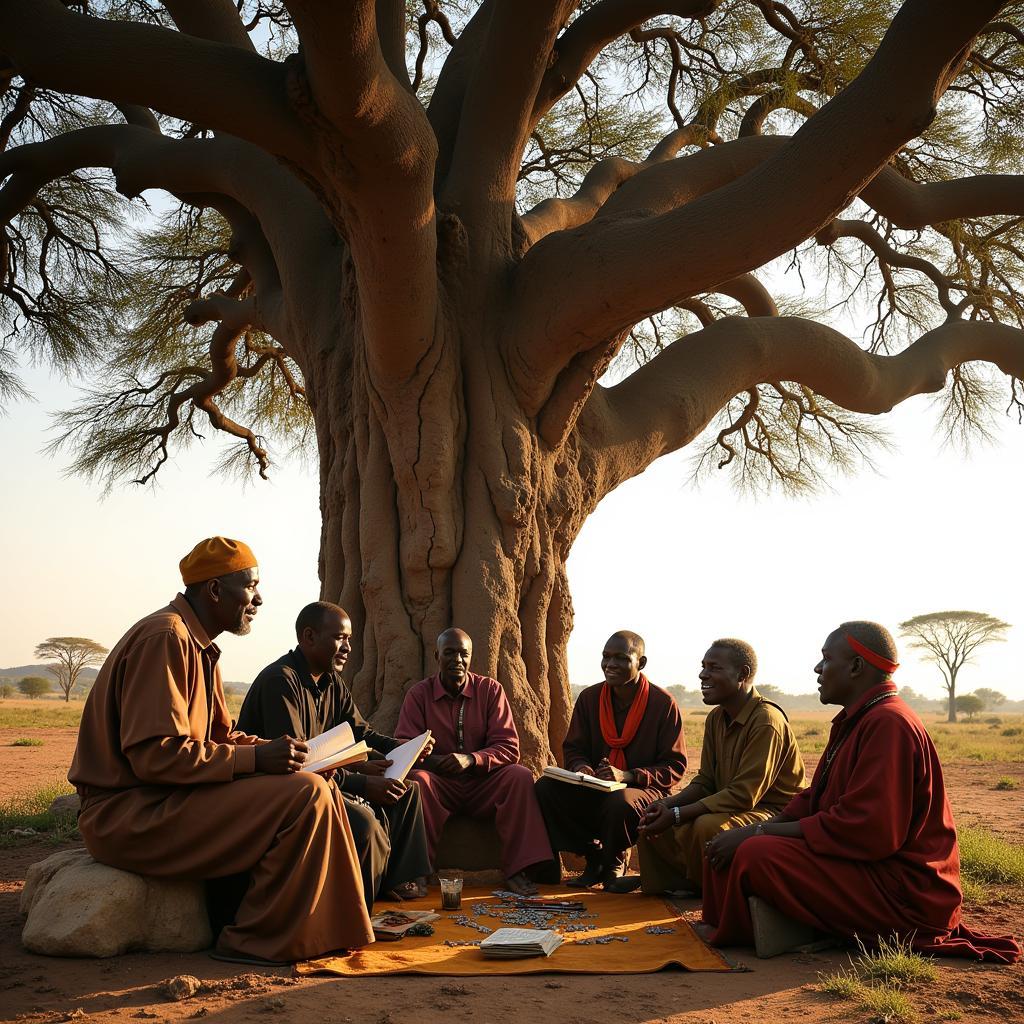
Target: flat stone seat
x=470 y=844
x=78 y=907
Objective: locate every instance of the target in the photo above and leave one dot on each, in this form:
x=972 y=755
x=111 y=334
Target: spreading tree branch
x=780 y=202
x=667 y=402
x=208 y=83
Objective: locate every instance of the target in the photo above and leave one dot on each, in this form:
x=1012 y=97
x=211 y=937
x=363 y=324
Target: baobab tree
x=949 y=639
x=428 y=232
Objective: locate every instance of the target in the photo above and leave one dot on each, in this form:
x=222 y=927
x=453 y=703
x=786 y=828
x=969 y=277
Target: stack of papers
x=512 y=943
x=581 y=779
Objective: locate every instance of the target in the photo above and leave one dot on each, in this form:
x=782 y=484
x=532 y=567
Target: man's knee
x=517 y=775
x=618 y=807
x=706 y=827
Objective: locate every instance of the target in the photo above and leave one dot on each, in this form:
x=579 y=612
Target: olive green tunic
x=750 y=768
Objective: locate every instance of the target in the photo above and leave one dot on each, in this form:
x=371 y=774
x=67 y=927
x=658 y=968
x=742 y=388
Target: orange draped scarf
x=617 y=744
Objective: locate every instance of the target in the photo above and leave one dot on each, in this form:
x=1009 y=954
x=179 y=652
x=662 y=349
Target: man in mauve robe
x=625 y=729
x=169 y=790
x=475 y=766
x=302 y=694
x=870 y=848
x=750 y=768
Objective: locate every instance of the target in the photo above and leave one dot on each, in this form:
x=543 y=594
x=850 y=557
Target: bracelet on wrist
x=677 y=815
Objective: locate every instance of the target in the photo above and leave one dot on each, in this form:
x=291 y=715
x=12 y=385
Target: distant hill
x=88 y=676
x=20 y=671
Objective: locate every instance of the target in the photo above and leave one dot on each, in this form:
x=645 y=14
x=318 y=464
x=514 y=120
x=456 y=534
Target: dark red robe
x=879 y=852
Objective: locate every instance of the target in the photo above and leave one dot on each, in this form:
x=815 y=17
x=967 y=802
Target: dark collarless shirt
x=285 y=700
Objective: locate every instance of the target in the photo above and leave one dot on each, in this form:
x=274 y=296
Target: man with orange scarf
x=624 y=730
x=870 y=848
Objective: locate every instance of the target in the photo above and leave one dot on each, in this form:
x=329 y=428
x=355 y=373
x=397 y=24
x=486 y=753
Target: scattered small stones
x=201 y=1012
x=452 y=943
x=184 y=986
x=451 y=989
x=424 y=928
x=602 y=940
x=145 y=1014
x=657 y=929
x=461 y=919
x=273 y=1005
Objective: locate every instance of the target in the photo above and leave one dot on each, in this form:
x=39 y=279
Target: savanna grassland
x=984 y=771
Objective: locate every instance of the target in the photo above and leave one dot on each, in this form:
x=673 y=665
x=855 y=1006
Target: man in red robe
x=475 y=766
x=624 y=729
x=870 y=848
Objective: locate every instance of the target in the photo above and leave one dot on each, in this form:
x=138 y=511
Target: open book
x=512 y=943
x=405 y=756
x=393 y=924
x=334 y=749
x=581 y=779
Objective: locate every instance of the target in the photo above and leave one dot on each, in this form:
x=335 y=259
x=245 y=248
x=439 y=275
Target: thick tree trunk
x=442 y=507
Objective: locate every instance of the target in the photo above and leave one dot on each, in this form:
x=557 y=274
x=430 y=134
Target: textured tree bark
x=442 y=507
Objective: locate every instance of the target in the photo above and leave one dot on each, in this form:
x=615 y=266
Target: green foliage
x=25 y=741
x=34 y=686
x=989 y=697
x=893 y=962
x=31 y=811
x=876 y=978
x=42 y=715
x=1005 y=784
x=886 y=1005
x=987 y=859
x=7 y=689
x=89 y=290
x=841 y=984
x=969 y=705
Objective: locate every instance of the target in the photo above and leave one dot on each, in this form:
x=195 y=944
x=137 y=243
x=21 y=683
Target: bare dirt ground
x=119 y=991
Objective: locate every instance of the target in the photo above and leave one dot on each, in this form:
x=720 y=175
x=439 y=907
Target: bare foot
x=521 y=885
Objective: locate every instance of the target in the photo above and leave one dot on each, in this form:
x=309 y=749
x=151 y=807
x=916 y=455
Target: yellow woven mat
x=628 y=915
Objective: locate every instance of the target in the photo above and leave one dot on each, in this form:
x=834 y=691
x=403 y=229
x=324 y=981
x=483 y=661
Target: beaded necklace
x=833 y=748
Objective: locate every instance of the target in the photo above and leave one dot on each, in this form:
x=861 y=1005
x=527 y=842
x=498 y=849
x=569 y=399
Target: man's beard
x=243 y=627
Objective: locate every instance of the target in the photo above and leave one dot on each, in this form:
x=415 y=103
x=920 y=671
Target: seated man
x=168 y=789
x=750 y=768
x=474 y=768
x=302 y=694
x=625 y=729
x=870 y=848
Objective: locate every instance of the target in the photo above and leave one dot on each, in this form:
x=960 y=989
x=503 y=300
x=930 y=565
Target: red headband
x=882 y=664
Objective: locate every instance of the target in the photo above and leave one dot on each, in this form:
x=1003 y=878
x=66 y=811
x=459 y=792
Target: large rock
x=468 y=843
x=77 y=907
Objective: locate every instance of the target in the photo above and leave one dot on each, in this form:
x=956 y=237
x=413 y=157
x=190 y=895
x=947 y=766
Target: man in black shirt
x=302 y=695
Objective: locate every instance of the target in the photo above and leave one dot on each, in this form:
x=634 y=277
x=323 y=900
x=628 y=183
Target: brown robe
x=168 y=789
x=593 y=823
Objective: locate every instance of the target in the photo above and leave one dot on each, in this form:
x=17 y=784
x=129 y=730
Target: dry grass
x=26 y=741
x=40 y=714
x=31 y=812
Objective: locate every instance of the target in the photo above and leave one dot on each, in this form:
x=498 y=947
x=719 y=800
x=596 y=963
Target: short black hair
x=741 y=650
x=313 y=615
x=635 y=641
x=875 y=637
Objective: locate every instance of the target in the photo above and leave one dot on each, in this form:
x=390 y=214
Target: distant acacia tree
x=989 y=698
x=68 y=655
x=34 y=686
x=969 y=704
x=6 y=690
x=949 y=639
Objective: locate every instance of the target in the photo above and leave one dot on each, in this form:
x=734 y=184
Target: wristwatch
x=677 y=815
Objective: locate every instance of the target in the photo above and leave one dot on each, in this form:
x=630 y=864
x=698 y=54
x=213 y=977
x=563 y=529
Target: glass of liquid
x=451 y=893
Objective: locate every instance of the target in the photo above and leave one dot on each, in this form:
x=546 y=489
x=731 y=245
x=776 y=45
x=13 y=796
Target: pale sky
x=679 y=563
